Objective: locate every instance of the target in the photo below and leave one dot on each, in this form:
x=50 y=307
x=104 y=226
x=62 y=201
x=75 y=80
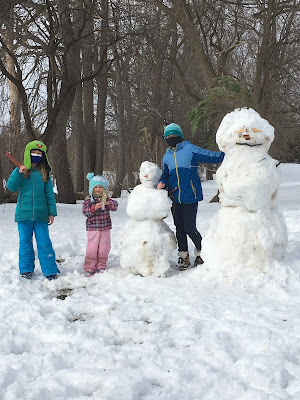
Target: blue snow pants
x=44 y=246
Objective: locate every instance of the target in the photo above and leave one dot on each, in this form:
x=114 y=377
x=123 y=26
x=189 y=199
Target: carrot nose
x=146 y=176
x=247 y=137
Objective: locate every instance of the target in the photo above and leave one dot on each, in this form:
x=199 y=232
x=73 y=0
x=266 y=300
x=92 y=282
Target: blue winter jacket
x=180 y=171
x=36 y=199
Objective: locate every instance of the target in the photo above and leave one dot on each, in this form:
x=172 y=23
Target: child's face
x=36 y=151
x=98 y=190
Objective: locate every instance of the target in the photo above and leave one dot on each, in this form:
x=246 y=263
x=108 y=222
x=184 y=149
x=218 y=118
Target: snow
x=191 y=335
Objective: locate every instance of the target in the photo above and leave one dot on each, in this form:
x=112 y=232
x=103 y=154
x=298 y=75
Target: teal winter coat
x=36 y=199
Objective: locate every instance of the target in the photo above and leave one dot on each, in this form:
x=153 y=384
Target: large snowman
x=146 y=242
x=248 y=230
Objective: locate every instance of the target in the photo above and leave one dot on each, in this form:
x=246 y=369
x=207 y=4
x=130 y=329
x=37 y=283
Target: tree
x=61 y=27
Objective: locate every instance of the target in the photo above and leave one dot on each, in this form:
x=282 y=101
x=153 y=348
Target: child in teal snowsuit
x=36 y=208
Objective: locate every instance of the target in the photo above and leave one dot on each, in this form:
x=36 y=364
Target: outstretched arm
x=207 y=156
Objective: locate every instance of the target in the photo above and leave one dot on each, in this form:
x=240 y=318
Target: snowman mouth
x=249 y=144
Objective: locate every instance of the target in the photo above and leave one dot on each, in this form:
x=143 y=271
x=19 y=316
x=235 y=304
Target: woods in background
x=97 y=80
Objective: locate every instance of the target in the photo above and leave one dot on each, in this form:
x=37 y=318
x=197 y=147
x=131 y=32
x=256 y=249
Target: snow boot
x=51 y=277
x=26 y=275
x=183 y=260
x=88 y=274
x=100 y=270
x=198 y=259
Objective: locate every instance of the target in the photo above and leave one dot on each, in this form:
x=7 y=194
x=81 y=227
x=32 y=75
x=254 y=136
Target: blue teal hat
x=173 y=129
x=96 y=180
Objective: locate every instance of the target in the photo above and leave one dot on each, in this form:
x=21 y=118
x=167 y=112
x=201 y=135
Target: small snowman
x=248 y=230
x=146 y=242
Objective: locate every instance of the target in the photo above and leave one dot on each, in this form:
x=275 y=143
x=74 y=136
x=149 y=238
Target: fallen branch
x=12 y=159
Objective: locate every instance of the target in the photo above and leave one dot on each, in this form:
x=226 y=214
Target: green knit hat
x=36 y=145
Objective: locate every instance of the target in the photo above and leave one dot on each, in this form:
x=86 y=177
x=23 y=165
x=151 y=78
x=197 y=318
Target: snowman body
x=146 y=242
x=248 y=230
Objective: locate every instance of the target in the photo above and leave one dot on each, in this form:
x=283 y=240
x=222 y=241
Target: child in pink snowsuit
x=96 y=208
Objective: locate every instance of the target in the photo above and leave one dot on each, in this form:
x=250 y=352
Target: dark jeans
x=184 y=216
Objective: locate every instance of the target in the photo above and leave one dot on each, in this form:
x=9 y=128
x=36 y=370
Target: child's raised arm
x=14 y=181
x=113 y=204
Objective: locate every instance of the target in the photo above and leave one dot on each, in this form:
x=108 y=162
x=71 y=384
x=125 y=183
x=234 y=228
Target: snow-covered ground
x=193 y=335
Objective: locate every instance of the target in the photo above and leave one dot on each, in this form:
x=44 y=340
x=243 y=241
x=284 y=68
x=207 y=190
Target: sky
x=190 y=335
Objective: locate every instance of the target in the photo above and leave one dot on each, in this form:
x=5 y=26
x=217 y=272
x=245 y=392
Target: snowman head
x=244 y=127
x=150 y=174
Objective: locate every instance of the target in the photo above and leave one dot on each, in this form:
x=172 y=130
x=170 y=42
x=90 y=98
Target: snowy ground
x=192 y=335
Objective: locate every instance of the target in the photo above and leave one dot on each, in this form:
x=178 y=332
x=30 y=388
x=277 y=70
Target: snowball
x=145 y=247
x=244 y=127
x=244 y=181
x=237 y=238
x=150 y=174
x=148 y=203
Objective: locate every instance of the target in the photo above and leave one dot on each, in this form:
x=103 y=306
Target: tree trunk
x=76 y=143
x=89 y=141
x=14 y=98
x=156 y=120
x=61 y=112
x=61 y=168
x=202 y=63
x=262 y=58
x=102 y=86
x=70 y=76
x=120 y=172
x=180 y=13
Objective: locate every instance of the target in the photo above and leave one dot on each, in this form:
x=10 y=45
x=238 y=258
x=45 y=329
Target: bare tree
x=115 y=72
x=102 y=86
x=14 y=98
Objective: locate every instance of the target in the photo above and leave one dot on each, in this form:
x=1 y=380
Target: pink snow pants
x=97 y=250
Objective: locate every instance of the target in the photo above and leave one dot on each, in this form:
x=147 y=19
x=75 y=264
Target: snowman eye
x=256 y=130
x=239 y=131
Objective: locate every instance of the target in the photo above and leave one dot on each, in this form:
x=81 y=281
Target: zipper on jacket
x=194 y=190
x=177 y=177
x=32 y=195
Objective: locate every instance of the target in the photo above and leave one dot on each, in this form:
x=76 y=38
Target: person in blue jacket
x=36 y=208
x=180 y=177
